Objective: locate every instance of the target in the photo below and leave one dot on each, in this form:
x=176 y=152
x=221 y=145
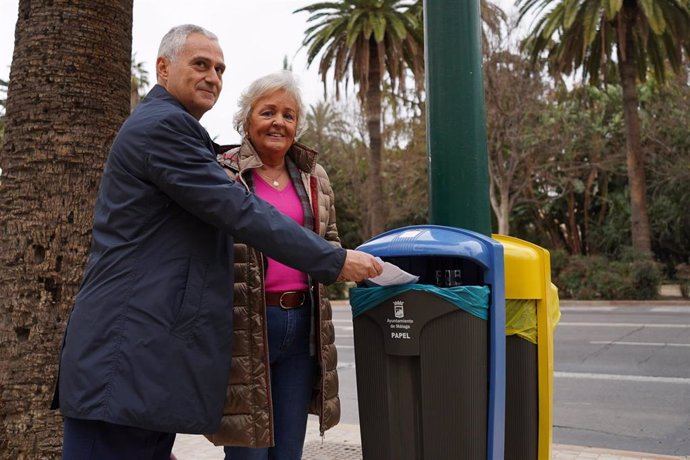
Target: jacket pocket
x=191 y=300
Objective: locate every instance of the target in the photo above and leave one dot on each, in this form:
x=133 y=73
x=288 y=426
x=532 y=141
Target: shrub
x=559 y=260
x=683 y=277
x=646 y=279
x=685 y=289
x=596 y=277
x=612 y=282
x=575 y=279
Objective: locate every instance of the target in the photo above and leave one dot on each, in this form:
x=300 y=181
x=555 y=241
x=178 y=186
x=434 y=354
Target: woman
x=284 y=359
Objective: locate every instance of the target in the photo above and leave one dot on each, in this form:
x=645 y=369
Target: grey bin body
x=424 y=395
x=522 y=400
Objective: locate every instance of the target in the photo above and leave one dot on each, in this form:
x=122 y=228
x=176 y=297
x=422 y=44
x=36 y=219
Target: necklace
x=273 y=181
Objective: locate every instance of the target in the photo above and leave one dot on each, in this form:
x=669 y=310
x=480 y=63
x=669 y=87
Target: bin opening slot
x=442 y=271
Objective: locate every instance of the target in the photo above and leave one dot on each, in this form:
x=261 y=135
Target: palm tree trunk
x=68 y=94
x=377 y=207
x=641 y=236
x=639 y=226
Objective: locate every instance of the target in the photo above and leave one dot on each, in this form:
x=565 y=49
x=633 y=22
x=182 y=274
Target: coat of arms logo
x=399 y=308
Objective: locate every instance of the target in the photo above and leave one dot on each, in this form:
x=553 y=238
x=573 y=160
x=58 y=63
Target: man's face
x=195 y=77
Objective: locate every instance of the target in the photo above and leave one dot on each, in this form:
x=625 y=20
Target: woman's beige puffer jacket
x=247 y=416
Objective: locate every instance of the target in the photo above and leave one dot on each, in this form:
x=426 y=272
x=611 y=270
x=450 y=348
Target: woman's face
x=273 y=123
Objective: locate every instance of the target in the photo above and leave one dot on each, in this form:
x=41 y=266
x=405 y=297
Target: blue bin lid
x=431 y=240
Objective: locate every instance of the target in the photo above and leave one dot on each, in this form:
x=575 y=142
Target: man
x=147 y=348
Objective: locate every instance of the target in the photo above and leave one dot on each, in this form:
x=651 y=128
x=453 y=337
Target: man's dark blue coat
x=148 y=342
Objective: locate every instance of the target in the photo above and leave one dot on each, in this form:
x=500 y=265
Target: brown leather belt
x=286 y=300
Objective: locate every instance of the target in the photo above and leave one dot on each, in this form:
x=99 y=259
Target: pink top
x=280 y=277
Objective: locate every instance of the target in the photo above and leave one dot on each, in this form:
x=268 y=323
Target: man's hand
x=359 y=266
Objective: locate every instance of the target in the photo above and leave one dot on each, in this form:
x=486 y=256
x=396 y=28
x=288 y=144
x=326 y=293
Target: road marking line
x=628 y=378
x=649 y=344
x=659 y=325
x=588 y=308
x=670 y=309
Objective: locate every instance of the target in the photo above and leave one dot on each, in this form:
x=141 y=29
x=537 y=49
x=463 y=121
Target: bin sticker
x=410 y=233
x=399 y=307
x=400 y=327
x=402 y=318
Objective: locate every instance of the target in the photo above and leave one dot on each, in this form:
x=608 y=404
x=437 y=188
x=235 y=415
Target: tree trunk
x=589 y=186
x=499 y=193
x=69 y=92
x=377 y=207
x=504 y=219
x=640 y=232
x=500 y=205
x=573 y=232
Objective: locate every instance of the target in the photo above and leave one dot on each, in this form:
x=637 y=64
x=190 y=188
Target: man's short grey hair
x=175 y=39
x=283 y=80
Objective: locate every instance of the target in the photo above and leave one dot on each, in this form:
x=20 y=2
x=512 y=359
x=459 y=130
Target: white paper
x=392 y=275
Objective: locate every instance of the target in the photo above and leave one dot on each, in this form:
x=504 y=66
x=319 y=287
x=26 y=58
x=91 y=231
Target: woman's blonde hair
x=283 y=80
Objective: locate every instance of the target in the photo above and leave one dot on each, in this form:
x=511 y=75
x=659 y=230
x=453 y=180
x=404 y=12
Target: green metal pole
x=456 y=139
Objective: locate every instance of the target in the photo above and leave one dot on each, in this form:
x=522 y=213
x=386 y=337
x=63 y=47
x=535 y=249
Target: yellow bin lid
x=527 y=268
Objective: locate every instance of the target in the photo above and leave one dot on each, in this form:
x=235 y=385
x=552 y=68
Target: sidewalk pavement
x=343 y=443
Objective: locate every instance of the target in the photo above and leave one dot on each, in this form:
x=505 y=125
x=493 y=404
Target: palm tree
x=326 y=127
x=368 y=38
x=139 y=83
x=493 y=21
x=68 y=94
x=637 y=35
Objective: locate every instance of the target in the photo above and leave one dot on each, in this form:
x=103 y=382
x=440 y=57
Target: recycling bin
x=430 y=357
x=531 y=316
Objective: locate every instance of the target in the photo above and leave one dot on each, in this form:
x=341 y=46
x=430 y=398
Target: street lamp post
x=456 y=139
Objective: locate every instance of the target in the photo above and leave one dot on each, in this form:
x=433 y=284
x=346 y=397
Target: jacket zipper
x=267 y=361
x=316 y=302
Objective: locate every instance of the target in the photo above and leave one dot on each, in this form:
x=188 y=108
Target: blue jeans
x=293 y=373
x=96 y=440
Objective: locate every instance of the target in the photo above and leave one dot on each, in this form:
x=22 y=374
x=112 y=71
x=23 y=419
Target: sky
x=256 y=35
